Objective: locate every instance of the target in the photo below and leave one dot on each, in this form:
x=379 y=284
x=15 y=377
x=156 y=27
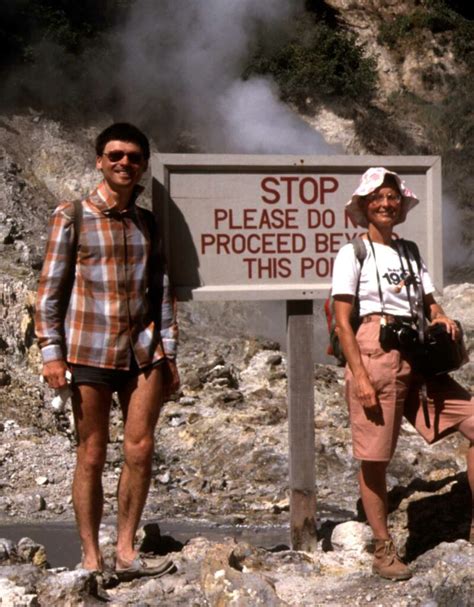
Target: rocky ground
x=222 y=459
x=237 y=574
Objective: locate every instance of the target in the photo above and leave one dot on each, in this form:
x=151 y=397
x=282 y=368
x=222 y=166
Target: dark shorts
x=116 y=379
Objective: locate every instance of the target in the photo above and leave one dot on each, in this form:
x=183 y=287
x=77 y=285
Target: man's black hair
x=122 y=131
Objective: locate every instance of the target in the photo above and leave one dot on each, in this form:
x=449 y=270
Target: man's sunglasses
x=117 y=156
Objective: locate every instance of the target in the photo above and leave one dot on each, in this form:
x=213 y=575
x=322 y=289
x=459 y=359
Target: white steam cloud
x=254 y=120
x=174 y=67
x=186 y=59
x=457 y=254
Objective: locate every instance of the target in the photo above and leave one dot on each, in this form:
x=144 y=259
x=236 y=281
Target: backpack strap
x=157 y=260
x=359 y=249
x=77 y=218
x=360 y=253
x=148 y=220
x=334 y=347
x=413 y=249
x=75 y=214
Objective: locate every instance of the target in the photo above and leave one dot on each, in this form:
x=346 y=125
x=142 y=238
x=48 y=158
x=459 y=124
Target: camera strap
x=418 y=316
x=416 y=303
x=407 y=278
x=379 y=285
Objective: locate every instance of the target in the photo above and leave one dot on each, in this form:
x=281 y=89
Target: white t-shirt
x=391 y=273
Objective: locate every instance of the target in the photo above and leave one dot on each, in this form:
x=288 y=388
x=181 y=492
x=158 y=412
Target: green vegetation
x=464 y=42
x=448 y=128
x=437 y=16
x=72 y=25
x=448 y=124
x=318 y=61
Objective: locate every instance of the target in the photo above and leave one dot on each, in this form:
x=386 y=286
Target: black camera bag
x=440 y=353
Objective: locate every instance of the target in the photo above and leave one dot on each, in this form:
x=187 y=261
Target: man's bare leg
x=373 y=492
x=91 y=405
x=141 y=402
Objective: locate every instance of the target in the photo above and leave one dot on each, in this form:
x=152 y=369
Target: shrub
x=437 y=16
x=317 y=62
x=71 y=25
x=464 y=43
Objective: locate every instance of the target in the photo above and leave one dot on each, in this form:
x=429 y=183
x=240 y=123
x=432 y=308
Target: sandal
x=98 y=571
x=140 y=568
x=81 y=566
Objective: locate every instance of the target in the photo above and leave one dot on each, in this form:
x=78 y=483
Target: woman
x=381 y=386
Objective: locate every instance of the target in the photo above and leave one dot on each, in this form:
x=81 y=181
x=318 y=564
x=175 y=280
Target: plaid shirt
x=109 y=296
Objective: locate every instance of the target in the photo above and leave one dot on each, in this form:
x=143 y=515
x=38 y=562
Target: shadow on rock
x=445 y=517
x=155 y=543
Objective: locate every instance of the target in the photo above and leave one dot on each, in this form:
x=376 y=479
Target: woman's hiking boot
x=387 y=563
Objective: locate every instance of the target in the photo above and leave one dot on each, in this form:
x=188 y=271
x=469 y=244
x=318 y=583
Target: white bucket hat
x=369 y=182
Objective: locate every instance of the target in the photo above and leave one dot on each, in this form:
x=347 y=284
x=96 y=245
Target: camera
x=437 y=354
x=398 y=336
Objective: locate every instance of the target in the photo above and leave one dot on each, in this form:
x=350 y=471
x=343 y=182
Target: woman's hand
x=368 y=398
x=451 y=327
x=365 y=391
x=437 y=316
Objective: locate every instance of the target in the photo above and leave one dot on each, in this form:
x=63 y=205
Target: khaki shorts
x=397 y=389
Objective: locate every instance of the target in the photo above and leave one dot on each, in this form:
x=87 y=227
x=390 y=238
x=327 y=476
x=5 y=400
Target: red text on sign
x=348 y=222
x=254 y=243
x=328 y=242
x=318 y=218
x=256 y=219
x=295 y=189
x=321 y=267
x=270 y=267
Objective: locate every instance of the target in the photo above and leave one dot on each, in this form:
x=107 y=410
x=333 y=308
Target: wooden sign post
x=243 y=227
x=300 y=356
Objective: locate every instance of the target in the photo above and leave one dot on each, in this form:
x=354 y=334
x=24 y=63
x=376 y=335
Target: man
x=104 y=312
